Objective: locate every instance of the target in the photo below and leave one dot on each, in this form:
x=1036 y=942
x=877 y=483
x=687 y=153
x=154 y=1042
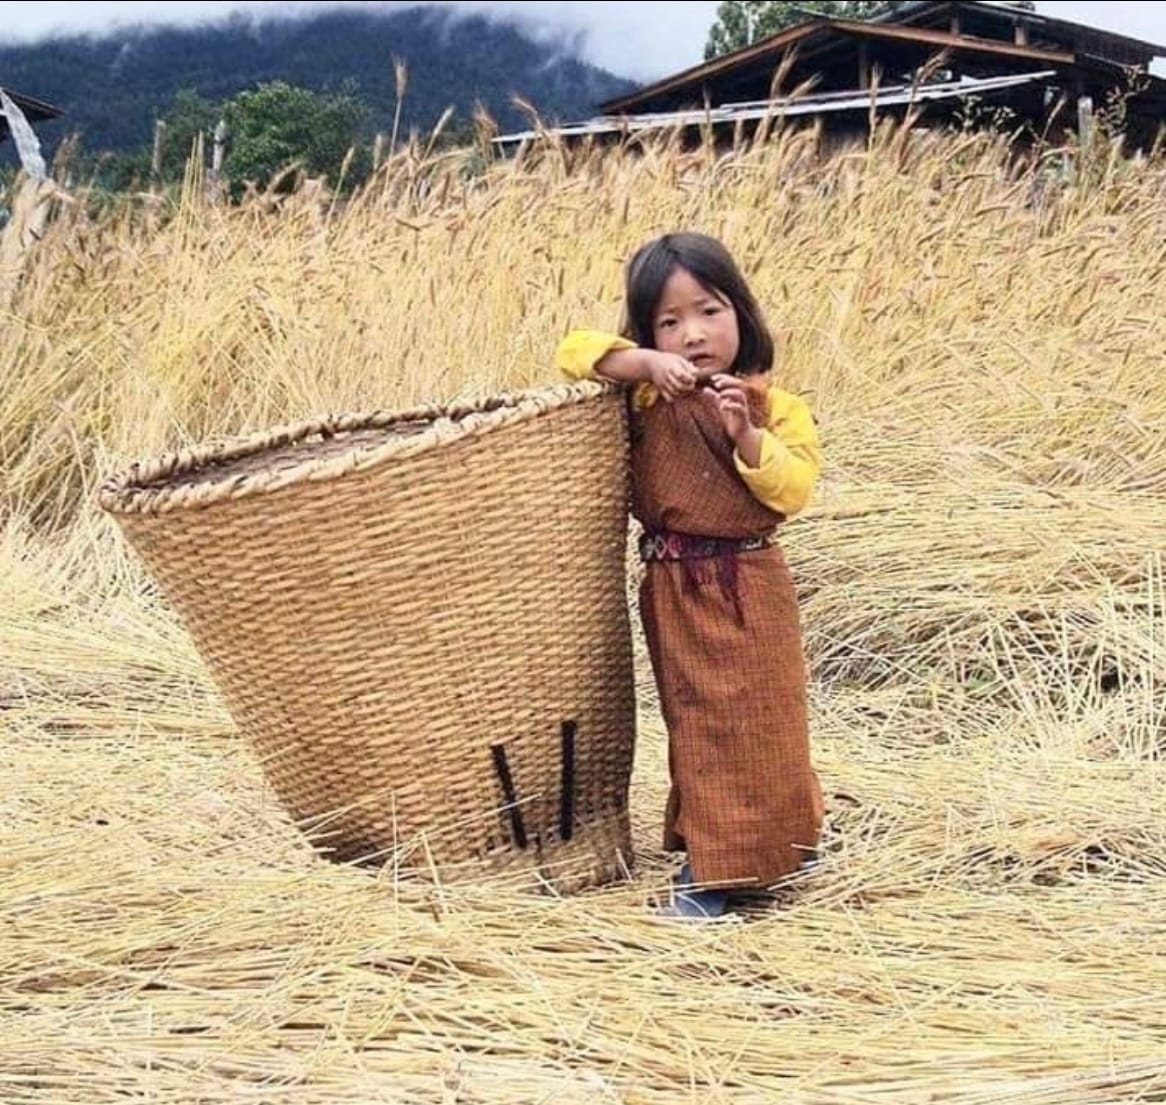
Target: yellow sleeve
x=791 y=456
x=581 y=350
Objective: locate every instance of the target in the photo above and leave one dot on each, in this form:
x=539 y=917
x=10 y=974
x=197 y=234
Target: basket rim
x=138 y=490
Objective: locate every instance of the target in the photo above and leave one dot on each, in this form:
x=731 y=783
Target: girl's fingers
x=732 y=389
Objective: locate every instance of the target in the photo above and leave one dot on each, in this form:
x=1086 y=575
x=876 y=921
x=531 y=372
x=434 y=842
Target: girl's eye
x=665 y=323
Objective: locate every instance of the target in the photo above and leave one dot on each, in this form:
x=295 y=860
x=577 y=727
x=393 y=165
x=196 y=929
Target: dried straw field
x=983 y=596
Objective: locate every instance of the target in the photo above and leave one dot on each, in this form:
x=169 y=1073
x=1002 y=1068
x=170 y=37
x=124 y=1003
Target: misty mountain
x=112 y=88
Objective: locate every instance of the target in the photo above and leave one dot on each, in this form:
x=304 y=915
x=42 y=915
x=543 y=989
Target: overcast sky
x=642 y=41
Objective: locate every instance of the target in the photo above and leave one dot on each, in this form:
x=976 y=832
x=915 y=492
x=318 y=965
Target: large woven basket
x=419 y=619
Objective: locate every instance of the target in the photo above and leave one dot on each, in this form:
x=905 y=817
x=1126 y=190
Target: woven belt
x=686 y=546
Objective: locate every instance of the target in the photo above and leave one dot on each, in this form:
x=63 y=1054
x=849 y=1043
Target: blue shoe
x=692 y=904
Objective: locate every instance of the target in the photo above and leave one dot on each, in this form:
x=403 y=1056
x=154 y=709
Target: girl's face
x=696 y=323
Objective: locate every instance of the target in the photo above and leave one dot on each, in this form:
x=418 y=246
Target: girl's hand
x=671 y=374
x=732 y=405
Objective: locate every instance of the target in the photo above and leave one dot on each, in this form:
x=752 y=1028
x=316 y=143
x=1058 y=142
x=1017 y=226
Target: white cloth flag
x=27 y=143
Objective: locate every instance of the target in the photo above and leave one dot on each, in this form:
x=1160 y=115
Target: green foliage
x=740 y=22
x=112 y=88
x=118 y=172
x=189 y=116
x=270 y=128
x=278 y=124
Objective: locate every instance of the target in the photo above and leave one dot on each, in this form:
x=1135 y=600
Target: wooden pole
x=32 y=194
x=1085 y=120
x=31 y=200
x=156 y=159
x=218 y=152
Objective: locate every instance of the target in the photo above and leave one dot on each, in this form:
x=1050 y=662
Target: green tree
x=740 y=22
x=189 y=116
x=278 y=124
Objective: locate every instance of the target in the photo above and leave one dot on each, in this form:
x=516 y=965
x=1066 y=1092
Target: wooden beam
x=35 y=110
x=967 y=43
x=698 y=74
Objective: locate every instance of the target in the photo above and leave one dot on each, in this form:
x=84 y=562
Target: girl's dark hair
x=715 y=270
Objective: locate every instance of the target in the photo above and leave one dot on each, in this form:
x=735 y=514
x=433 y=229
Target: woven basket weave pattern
x=408 y=624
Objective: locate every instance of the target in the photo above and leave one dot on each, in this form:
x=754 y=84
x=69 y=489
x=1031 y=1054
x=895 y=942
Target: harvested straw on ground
x=983 y=607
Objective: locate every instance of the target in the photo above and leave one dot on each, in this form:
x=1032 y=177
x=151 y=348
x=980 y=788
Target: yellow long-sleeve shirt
x=791 y=452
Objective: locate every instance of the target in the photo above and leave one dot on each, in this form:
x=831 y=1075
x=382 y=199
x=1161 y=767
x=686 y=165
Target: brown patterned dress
x=724 y=638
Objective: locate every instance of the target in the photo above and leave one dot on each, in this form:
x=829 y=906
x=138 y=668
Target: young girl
x=720 y=458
